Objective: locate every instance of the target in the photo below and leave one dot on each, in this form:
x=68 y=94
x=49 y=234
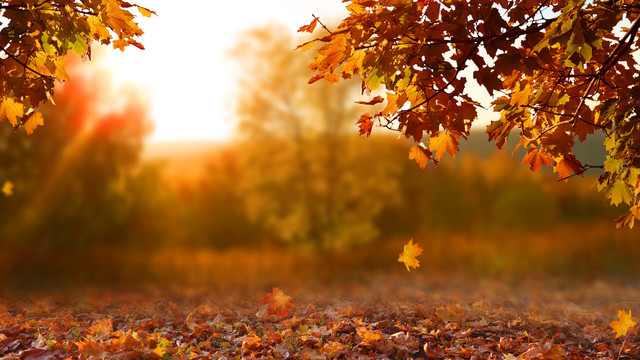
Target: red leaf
x=366 y=124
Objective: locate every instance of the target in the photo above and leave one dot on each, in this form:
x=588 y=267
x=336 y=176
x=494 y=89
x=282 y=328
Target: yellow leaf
x=146 y=12
x=622 y=326
x=408 y=256
x=32 y=123
x=11 y=110
x=7 y=188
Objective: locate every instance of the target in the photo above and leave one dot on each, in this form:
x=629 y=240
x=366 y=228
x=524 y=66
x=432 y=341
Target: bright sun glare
x=184 y=71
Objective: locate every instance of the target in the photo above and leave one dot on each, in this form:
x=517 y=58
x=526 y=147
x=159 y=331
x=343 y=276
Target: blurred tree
x=305 y=178
x=72 y=189
x=35 y=37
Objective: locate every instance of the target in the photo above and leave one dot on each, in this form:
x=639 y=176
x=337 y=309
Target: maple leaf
x=33 y=121
x=421 y=155
x=408 y=256
x=366 y=124
x=279 y=303
x=536 y=159
x=623 y=325
x=444 y=142
x=566 y=166
x=11 y=109
x=7 y=188
x=620 y=192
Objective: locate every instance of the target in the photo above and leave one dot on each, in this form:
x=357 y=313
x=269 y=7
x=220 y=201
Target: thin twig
x=321 y=24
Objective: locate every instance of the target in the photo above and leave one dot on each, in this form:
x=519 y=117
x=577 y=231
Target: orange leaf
x=566 y=166
x=306 y=46
x=622 y=326
x=33 y=121
x=408 y=256
x=421 y=155
x=7 y=188
x=366 y=124
x=279 y=303
x=309 y=28
x=536 y=159
x=444 y=142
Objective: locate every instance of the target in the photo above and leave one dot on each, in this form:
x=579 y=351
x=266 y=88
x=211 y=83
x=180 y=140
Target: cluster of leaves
x=137 y=327
x=35 y=37
x=558 y=71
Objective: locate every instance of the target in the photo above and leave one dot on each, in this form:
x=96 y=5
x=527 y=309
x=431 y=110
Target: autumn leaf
x=566 y=166
x=620 y=192
x=33 y=121
x=279 y=303
x=444 y=142
x=624 y=324
x=366 y=124
x=100 y=328
x=11 y=109
x=421 y=155
x=7 y=188
x=309 y=28
x=376 y=100
x=408 y=256
x=146 y=12
x=536 y=159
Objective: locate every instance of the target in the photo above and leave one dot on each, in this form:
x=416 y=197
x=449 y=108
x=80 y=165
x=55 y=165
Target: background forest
x=297 y=185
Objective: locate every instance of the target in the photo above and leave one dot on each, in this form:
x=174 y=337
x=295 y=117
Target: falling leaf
x=408 y=256
x=279 y=303
x=624 y=324
x=366 y=124
x=375 y=100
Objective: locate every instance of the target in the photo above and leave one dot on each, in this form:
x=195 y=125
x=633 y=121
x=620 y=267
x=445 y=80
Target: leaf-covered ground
x=383 y=318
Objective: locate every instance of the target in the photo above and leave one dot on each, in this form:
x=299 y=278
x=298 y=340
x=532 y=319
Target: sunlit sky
x=185 y=71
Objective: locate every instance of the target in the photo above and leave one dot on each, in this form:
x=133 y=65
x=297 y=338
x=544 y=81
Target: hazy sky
x=184 y=68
